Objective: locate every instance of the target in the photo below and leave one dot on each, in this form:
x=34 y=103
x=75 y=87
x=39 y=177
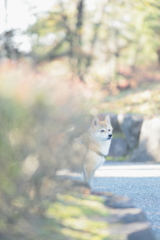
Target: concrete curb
x=132 y=223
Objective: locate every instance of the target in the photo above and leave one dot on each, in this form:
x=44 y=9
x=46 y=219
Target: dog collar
x=99 y=153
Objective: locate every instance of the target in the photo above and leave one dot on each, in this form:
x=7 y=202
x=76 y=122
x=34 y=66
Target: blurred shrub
x=39 y=121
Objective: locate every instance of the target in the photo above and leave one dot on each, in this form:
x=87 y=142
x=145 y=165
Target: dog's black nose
x=110 y=135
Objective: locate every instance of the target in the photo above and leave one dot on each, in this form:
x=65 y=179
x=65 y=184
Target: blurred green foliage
x=98 y=37
x=35 y=142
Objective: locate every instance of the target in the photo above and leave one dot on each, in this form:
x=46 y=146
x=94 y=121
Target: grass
x=70 y=217
x=144 y=100
x=119 y=159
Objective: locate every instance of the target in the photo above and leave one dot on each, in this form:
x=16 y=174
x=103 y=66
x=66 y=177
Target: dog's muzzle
x=108 y=138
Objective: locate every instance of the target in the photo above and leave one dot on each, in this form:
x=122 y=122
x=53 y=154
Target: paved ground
x=140 y=182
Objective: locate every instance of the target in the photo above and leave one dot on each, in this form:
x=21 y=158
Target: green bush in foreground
x=37 y=129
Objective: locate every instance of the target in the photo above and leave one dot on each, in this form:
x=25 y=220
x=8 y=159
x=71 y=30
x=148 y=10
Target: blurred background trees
x=94 y=36
x=104 y=34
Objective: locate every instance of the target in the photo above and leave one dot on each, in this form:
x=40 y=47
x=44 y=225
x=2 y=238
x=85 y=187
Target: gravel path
x=141 y=182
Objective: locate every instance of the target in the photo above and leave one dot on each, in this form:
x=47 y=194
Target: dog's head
x=102 y=129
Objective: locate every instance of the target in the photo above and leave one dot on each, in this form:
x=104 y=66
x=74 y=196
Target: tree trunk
x=78 y=39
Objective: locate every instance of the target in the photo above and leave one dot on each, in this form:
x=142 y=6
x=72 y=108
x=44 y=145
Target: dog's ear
x=107 y=119
x=95 y=121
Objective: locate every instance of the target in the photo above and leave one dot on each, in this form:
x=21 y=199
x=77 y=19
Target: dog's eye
x=109 y=130
x=102 y=130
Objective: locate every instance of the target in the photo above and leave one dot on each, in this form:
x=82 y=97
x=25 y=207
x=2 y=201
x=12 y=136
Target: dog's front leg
x=89 y=168
x=88 y=175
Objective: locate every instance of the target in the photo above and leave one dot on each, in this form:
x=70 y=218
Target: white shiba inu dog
x=97 y=143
